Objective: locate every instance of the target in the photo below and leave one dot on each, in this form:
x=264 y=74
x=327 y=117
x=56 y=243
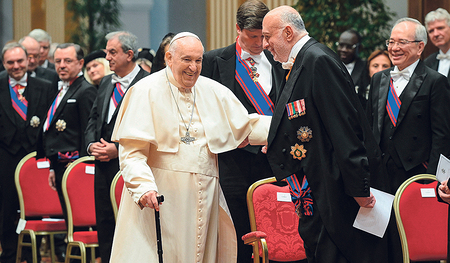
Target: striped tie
x=52 y=110
x=117 y=94
x=393 y=103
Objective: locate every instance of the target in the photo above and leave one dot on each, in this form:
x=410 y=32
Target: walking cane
x=158 y=230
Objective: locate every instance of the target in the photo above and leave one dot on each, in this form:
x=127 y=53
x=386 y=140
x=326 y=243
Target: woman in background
x=96 y=67
x=378 y=61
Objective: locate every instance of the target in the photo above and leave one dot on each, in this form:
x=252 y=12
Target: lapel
x=287 y=90
x=72 y=89
x=278 y=75
x=109 y=89
x=435 y=64
x=5 y=98
x=226 y=64
x=32 y=97
x=382 y=101
x=411 y=90
x=357 y=71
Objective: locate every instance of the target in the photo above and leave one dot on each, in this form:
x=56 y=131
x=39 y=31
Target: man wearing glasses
x=348 y=47
x=45 y=40
x=408 y=110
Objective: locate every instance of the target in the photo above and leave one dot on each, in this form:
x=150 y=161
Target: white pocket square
x=71 y=100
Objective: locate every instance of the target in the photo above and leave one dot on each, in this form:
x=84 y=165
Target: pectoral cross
x=187 y=139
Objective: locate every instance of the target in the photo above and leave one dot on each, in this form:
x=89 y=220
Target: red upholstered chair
x=31 y=178
x=422 y=221
x=116 y=192
x=78 y=190
x=273 y=222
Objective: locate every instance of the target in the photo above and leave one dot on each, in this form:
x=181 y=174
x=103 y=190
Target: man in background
x=121 y=52
x=45 y=40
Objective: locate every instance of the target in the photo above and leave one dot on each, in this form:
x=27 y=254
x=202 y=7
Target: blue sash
x=20 y=105
x=255 y=93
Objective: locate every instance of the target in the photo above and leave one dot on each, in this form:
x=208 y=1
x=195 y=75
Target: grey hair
x=294 y=19
x=438 y=14
x=40 y=35
x=127 y=40
x=78 y=49
x=420 y=33
x=12 y=45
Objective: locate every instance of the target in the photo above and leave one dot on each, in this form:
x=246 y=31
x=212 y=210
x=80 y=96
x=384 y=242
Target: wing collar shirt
x=401 y=82
x=294 y=52
x=444 y=62
x=263 y=68
x=124 y=84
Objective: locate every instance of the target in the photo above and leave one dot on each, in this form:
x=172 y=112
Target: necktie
x=393 y=104
x=117 y=95
x=400 y=74
x=442 y=56
x=254 y=75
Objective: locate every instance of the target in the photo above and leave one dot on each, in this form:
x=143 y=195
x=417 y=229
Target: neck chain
x=186 y=139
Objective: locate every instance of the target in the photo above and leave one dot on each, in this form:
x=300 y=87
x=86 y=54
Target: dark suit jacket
x=423 y=126
x=74 y=109
x=433 y=63
x=99 y=112
x=342 y=159
x=14 y=134
x=361 y=80
x=220 y=65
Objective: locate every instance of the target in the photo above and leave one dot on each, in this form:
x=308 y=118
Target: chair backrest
x=78 y=190
x=422 y=221
x=116 y=192
x=31 y=178
x=271 y=211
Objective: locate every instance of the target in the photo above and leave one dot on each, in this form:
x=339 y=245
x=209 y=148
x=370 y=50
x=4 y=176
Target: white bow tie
x=397 y=75
x=63 y=85
x=288 y=64
x=22 y=82
x=123 y=81
x=442 y=56
x=256 y=58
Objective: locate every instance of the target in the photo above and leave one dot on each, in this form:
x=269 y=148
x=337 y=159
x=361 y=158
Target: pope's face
x=185 y=61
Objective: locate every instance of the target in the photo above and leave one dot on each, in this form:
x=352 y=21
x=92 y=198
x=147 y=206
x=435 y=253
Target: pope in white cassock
x=171 y=126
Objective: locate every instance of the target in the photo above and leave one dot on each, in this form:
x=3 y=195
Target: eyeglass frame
x=406 y=42
x=354 y=46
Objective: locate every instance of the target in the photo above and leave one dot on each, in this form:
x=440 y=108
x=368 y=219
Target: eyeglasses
x=347 y=46
x=66 y=61
x=400 y=43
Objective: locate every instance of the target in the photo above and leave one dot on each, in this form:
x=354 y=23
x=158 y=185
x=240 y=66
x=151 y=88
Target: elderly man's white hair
x=182 y=35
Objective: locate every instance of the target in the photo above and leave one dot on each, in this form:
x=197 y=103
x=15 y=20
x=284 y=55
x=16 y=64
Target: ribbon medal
x=296 y=109
x=298 y=152
x=304 y=134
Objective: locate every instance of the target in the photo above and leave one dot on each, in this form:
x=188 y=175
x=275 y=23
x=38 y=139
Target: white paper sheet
x=375 y=220
x=443 y=169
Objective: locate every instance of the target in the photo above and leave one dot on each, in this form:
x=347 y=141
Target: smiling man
x=252 y=74
x=170 y=127
x=408 y=110
x=438 y=27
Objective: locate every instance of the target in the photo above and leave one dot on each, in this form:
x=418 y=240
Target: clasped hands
x=103 y=151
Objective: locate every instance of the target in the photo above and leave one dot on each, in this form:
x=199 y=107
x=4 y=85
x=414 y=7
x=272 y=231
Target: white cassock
x=195 y=221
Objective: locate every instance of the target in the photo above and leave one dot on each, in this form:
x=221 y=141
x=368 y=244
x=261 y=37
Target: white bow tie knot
x=288 y=64
x=442 y=56
x=400 y=74
x=21 y=82
x=123 y=81
x=63 y=85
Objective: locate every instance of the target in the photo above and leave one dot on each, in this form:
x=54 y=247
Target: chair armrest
x=253 y=237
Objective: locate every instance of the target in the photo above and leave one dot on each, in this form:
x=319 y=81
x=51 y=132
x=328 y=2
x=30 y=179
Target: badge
x=60 y=125
x=298 y=211
x=298 y=152
x=304 y=134
x=35 y=121
x=296 y=109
